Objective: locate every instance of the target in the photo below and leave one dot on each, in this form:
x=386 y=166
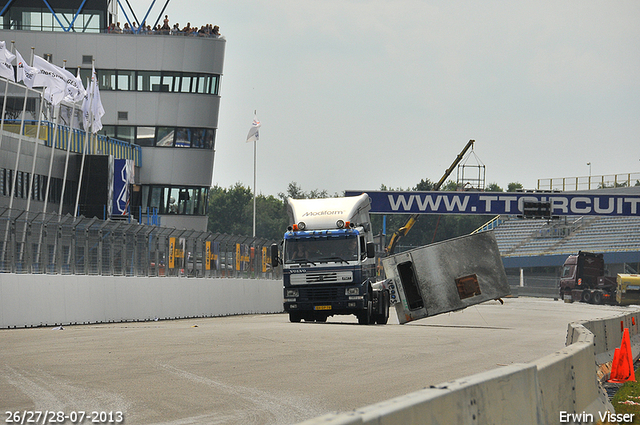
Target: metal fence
x=39 y=243
x=590 y=182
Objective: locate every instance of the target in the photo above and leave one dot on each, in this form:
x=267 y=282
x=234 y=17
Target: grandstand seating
x=521 y=237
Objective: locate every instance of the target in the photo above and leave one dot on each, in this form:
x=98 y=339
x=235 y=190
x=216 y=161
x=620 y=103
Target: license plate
x=322 y=307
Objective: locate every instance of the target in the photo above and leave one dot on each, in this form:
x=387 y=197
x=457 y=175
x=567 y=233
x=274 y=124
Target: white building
x=159 y=91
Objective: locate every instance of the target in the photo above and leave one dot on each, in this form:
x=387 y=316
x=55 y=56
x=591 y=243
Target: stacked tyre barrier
x=563 y=387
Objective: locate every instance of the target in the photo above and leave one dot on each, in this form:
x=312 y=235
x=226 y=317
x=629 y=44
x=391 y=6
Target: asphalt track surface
x=261 y=369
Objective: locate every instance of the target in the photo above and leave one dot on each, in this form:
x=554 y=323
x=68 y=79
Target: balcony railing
x=98 y=144
x=589 y=182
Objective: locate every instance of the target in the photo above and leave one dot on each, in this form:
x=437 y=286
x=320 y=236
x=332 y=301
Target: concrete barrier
x=504 y=395
x=47 y=300
x=608 y=334
x=539 y=393
x=567 y=381
x=559 y=388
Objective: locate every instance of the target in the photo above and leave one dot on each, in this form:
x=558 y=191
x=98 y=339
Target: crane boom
x=412 y=219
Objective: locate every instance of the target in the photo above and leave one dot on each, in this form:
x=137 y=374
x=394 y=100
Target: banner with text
x=494 y=203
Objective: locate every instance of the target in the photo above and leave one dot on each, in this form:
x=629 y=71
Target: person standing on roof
x=165 y=25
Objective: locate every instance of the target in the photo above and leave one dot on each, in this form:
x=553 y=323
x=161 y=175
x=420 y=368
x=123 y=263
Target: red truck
x=583 y=279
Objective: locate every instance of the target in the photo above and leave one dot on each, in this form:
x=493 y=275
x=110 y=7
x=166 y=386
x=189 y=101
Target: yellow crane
x=412 y=220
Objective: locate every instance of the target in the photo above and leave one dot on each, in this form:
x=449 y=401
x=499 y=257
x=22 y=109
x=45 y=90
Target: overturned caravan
x=445 y=276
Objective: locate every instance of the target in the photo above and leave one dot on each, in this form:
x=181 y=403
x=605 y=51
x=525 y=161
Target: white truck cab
x=328 y=261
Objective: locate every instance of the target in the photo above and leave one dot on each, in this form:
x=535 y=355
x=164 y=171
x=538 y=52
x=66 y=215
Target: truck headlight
x=292 y=293
x=352 y=291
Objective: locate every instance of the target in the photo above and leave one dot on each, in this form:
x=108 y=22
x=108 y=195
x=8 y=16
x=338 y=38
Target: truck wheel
x=586 y=296
x=295 y=317
x=383 y=317
x=321 y=318
x=598 y=298
x=366 y=317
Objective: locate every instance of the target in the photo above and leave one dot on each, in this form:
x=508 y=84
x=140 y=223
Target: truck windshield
x=321 y=250
x=567 y=271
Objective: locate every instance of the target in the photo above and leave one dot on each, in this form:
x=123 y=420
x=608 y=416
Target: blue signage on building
x=495 y=203
x=120 y=187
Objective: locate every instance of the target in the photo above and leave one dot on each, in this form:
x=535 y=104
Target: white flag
x=50 y=75
x=6 y=57
x=60 y=84
x=75 y=90
x=86 y=106
x=25 y=73
x=53 y=78
x=254 y=134
x=92 y=105
x=96 y=105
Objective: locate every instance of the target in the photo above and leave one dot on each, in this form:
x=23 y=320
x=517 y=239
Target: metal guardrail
x=589 y=182
x=98 y=144
x=39 y=243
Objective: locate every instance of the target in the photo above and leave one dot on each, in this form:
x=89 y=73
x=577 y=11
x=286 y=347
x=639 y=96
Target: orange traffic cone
x=622 y=365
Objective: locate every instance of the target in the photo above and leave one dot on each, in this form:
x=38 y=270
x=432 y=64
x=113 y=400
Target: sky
x=353 y=95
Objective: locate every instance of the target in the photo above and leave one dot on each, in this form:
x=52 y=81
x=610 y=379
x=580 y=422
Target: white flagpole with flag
x=53 y=78
x=20 y=138
x=6 y=92
x=6 y=58
x=253 y=136
x=92 y=114
x=72 y=96
x=25 y=73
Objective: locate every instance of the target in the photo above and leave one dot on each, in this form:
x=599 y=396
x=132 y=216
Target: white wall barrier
x=46 y=300
x=559 y=388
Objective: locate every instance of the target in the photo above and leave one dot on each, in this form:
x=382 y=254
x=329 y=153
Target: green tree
x=425 y=185
x=295 y=191
x=493 y=187
x=514 y=187
x=271 y=217
x=228 y=211
x=231 y=210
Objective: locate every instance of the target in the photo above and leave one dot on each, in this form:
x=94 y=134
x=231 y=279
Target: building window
x=179 y=137
x=165 y=136
x=2 y=180
x=126 y=133
x=183 y=138
x=126 y=80
x=149 y=81
x=174 y=200
x=107 y=80
x=145 y=136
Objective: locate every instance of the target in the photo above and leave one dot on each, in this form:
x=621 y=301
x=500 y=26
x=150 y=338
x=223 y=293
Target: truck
x=329 y=268
x=628 y=291
x=328 y=261
x=583 y=279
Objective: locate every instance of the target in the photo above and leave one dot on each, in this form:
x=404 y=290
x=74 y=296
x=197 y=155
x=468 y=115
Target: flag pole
x=20 y=137
x=35 y=149
x=87 y=140
x=66 y=160
x=4 y=103
x=253 y=134
x=254 y=185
